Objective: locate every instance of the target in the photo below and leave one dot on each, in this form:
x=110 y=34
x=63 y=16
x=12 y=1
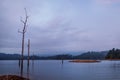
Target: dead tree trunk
x=28 y=51
x=28 y=58
x=23 y=38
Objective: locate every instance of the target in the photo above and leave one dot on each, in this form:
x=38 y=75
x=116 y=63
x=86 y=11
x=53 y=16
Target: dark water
x=55 y=70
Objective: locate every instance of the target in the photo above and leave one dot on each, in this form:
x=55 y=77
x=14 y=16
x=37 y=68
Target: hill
x=87 y=55
x=4 y=56
x=92 y=55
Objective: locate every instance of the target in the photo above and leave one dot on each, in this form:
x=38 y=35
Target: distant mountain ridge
x=92 y=55
x=4 y=56
x=87 y=55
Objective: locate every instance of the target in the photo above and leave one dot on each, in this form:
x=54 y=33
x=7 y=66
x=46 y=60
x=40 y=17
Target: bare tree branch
x=24 y=22
x=20 y=31
x=26 y=13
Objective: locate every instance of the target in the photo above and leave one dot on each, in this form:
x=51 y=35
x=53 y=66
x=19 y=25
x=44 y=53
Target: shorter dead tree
x=28 y=51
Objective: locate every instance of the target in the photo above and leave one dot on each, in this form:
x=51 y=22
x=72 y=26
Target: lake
x=55 y=70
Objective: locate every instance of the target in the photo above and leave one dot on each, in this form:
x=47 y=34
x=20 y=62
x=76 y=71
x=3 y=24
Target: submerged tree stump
x=12 y=77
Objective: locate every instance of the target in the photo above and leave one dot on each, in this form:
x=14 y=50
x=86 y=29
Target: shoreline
x=12 y=77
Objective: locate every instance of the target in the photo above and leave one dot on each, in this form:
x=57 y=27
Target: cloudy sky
x=60 y=25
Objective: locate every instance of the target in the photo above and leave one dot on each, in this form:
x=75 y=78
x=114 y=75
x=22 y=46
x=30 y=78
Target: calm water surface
x=55 y=70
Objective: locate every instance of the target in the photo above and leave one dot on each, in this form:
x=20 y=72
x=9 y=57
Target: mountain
x=74 y=53
x=87 y=55
x=4 y=56
x=92 y=55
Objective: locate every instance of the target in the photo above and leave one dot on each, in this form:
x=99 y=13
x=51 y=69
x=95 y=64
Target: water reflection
x=19 y=63
x=62 y=64
x=116 y=65
x=58 y=70
x=114 y=70
x=33 y=66
x=62 y=61
x=21 y=68
x=28 y=71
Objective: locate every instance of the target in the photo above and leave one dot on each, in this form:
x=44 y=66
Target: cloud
x=59 y=25
x=107 y=2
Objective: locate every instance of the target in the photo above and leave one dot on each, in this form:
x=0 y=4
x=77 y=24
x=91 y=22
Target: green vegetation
x=113 y=54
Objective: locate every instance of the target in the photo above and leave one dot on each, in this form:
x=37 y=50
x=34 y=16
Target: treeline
x=4 y=56
x=113 y=54
x=87 y=55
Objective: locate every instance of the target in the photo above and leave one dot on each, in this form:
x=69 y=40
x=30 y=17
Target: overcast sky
x=60 y=25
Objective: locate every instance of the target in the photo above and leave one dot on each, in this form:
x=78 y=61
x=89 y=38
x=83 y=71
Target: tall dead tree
x=23 y=31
